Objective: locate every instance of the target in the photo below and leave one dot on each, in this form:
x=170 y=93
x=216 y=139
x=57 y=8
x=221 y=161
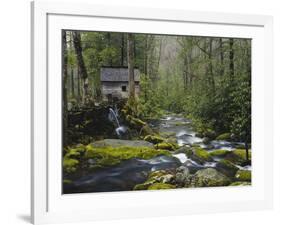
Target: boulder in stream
x=118 y=143
x=209 y=178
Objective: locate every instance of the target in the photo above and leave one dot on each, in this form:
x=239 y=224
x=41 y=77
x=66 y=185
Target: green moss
x=73 y=153
x=160 y=186
x=239 y=183
x=108 y=156
x=224 y=136
x=238 y=156
x=243 y=175
x=143 y=186
x=157 y=173
x=135 y=121
x=165 y=145
x=241 y=153
x=69 y=164
x=219 y=153
x=155 y=139
x=202 y=154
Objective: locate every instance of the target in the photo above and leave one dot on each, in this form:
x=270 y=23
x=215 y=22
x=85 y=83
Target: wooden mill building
x=114 y=82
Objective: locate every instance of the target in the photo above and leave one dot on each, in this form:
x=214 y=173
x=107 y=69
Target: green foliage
x=149 y=99
x=241 y=124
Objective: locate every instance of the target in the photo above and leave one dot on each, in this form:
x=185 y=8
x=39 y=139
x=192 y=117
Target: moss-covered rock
x=240 y=183
x=143 y=186
x=219 y=153
x=70 y=165
x=157 y=174
x=206 y=140
x=182 y=176
x=202 y=154
x=184 y=149
x=238 y=156
x=160 y=186
x=160 y=176
x=209 y=178
x=119 y=143
x=243 y=175
x=226 y=167
x=224 y=137
x=108 y=156
x=155 y=139
x=166 y=145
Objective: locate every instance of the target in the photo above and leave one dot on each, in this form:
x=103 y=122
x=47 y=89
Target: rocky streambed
x=174 y=158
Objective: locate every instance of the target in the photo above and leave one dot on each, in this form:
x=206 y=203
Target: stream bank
x=123 y=165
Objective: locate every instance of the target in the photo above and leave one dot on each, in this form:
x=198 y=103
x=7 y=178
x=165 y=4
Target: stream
x=124 y=176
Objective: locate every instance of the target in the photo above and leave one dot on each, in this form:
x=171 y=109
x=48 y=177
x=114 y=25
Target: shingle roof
x=117 y=74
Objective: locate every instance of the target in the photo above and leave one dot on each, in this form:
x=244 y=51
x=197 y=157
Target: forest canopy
x=207 y=78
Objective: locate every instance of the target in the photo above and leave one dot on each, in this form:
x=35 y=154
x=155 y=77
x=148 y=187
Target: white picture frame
x=48 y=205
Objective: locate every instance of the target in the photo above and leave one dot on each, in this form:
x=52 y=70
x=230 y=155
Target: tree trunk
x=211 y=74
x=108 y=36
x=122 y=50
x=221 y=57
x=185 y=73
x=72 y=82
x=65 y=112
x=81 y=65
x=130 y=59
x=78 y=85
x=231 y=58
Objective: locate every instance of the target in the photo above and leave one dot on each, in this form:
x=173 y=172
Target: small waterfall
x=113 y=116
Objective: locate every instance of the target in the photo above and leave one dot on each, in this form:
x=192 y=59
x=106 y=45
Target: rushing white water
x=182 y=157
